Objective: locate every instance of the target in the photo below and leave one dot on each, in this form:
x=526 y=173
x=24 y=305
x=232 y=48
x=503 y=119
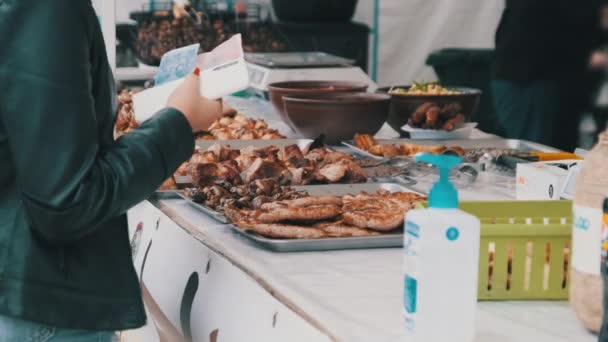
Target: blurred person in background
x=66 y=272
x=599 y=63
x=542 y=79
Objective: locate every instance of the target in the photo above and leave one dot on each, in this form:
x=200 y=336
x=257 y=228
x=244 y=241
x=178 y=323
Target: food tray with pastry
x=223 y=176
x=329 y=217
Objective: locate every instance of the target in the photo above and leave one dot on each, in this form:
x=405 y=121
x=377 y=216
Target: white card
x=223 y=72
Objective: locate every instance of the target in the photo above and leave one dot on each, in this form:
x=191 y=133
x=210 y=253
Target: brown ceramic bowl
x=403 y=106
x=337 y=116
x=277 y=90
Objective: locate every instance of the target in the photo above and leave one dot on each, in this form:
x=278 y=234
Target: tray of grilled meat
x=236 y=144
x=328 y=217
x=298 y=159
x=480 y=154
x=471 y=150
x=221 y=175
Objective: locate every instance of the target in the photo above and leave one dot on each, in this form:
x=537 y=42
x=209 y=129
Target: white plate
x=464 y=132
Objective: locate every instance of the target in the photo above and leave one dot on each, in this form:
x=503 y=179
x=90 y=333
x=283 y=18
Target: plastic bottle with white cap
x=441 y=246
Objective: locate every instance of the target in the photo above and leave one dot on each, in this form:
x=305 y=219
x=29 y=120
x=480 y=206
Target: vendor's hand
x=199 y=111
x=599 y=60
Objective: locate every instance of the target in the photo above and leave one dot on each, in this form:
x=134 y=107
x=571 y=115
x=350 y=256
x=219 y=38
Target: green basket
x=525 y=249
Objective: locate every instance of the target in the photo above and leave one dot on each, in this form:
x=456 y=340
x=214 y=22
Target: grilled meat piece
x=335 y=156
x=290 y=154
x=258 y=201
x=332 y=173
x=169 y=184
x=383 y=211
x=204 y=157
x=340 y=229
x=316 y=155
x=309 y=213
x=207 y=174
x=240 y=127
x=354 y=172
x=364 y=141
x=261 y=169
x=204 y=175
x=223 y=152
x=182 y=170
x=304 y=202
x=266 y=187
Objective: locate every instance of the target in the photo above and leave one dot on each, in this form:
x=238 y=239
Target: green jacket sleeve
x=69 y=182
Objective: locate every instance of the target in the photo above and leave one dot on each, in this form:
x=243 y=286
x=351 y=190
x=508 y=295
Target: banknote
x=176 y=64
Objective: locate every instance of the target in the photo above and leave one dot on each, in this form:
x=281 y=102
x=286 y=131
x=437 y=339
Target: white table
x=249 y=294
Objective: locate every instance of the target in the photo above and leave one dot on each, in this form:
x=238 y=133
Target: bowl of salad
x=430 y=106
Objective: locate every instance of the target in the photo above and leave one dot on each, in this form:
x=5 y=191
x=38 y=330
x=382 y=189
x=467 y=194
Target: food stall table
x=205 y=281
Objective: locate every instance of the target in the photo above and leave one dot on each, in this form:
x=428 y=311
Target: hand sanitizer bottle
x=441 y=246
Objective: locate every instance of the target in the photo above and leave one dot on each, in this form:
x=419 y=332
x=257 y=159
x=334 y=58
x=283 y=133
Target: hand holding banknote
x=199 y=111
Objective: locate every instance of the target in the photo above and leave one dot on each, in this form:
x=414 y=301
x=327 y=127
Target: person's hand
x=199 y=111
x=598 y=60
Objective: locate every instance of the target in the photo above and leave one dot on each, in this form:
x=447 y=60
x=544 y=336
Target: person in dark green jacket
x=542 y=81
x=65 y=185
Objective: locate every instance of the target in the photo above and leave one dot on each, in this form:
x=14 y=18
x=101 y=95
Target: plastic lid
x=443 y=194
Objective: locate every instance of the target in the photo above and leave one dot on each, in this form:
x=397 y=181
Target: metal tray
x=394 y=239
x=216 y=215
x=313 y=190
x=303 y=144
x=513 y=144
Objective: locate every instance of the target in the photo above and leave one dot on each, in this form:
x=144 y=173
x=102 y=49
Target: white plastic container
x=441 y=246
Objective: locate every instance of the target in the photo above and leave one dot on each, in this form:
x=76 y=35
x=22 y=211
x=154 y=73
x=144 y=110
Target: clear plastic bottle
x=441 y=263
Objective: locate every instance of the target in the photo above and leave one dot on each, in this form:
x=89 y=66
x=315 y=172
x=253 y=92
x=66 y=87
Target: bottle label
x=410 y=283
x=410 y=288
x=587 y=239
x=604 y=237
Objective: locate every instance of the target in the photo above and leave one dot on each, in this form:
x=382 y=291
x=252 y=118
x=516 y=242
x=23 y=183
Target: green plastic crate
x=524 y=250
